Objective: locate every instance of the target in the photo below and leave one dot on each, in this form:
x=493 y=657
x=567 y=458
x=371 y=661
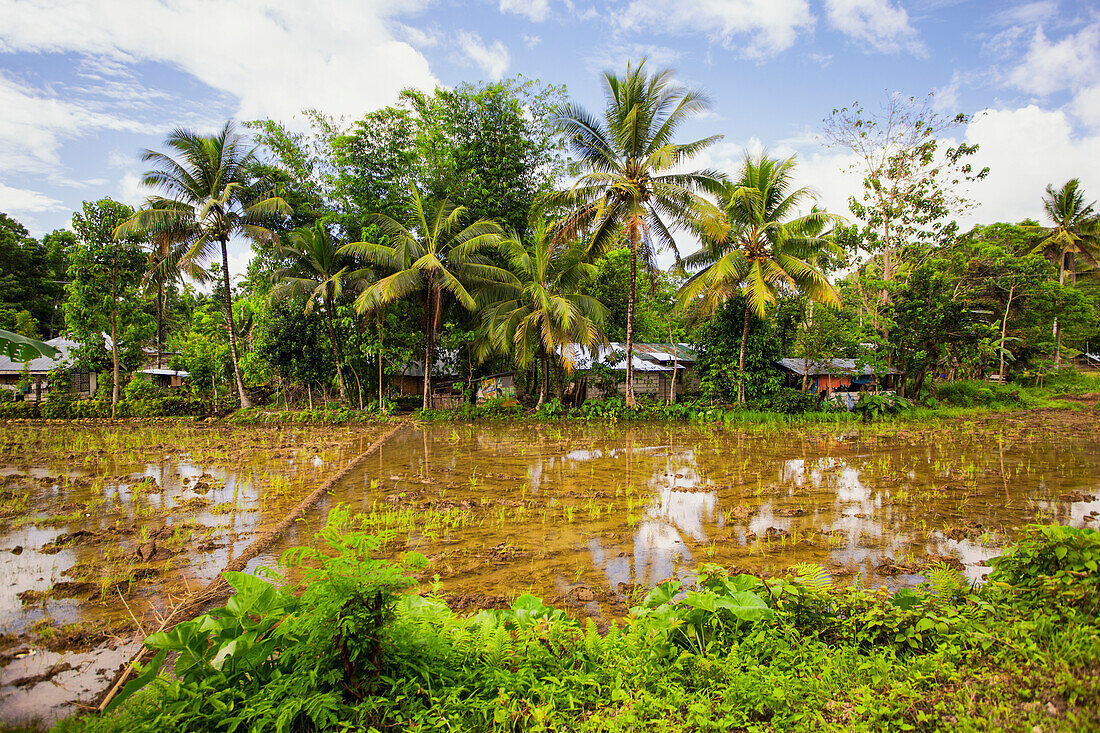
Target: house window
x=82 y=381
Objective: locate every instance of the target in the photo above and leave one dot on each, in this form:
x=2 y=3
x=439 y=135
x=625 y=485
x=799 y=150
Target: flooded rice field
x=105 y=528
x=101 y=528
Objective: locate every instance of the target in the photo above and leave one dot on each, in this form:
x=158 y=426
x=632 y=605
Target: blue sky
x=85 y=86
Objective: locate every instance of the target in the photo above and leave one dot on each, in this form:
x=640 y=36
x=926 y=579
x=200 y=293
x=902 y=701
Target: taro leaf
x=745 y=606
x=662 y=594
x=530 y=609
x=703 y=600
x=253 y=596
x=148 y=674
x=745 y=582
x=905 y=598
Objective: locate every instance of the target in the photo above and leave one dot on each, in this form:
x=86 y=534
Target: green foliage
x=104 y=292
x=718 y=340
x=32 y=276
x=723 y=651
x=874 y=406
x=974 y=393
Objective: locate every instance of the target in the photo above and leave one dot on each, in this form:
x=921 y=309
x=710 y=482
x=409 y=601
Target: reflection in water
x=599 y=507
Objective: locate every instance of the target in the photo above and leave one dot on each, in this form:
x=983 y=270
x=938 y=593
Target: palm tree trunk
x=228 y=302
x=160 y=321
x=335 y=350
x=114 y=352
x=634 y=236
x=1004 y=329
x=1057 y=321
x=741 y=359
x=381 y=404
x=545 y=388
x=429 y=324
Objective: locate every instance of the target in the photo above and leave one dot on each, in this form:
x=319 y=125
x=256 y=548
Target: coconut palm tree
x=206 y=182
x=320 y=272
x=432 y=252
x=761 y=248
x=1074 y=238
x=540 y=314
x=631 y=187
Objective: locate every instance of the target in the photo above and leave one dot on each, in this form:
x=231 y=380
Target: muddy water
x=105 y=528
x=587 y=517
x=590 y=516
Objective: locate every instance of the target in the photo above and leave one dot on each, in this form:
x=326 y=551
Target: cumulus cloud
x=274 y=57
x=34 y=124
x=877 y=25
x=1066 y=64
x=492 y=59
x=759 y=28
x=535 y=10
x=1026 y=149
x=25 y=201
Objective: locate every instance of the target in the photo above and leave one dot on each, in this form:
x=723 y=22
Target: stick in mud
x=217 y=588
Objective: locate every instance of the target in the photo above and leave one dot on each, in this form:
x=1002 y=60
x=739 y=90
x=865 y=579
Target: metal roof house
x=835 y=375
x=13 y=373
x=654 y=367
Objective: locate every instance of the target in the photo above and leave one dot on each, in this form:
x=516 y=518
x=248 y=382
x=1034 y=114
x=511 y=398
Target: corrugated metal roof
x=42 y=364
x=166 y=372
x=830 y=367
x=647 y=357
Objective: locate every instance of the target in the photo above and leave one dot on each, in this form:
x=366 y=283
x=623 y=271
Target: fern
x=946 y=581
x=811 y=575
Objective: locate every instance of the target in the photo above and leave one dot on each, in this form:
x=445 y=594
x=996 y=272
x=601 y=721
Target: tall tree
x=432 y=252
x=320 y=272
x=1075 y=238
x=104 y=289
x=910 y=186
x=760 y=247
x=32 y=277
x=630 y=186
x=206 y=181
x=541 y=315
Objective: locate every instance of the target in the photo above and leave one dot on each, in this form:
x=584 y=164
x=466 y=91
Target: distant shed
x=835 y=375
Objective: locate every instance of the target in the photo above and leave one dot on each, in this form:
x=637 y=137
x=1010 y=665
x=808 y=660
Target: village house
x=836 y=377
x=655 y=367
x=31 y=379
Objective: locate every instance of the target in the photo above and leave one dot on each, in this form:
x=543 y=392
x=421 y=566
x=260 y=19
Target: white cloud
x=531 y=41
x=34 y=124
x=536 y=10
x=493 y=59
x=274 y=57
x=1026 y=149
x=25 y=201
x=875 y=24
x=1086 y=106
x=614 y=56
x=1067 y=64
x=1027 y=13
x=761 y=28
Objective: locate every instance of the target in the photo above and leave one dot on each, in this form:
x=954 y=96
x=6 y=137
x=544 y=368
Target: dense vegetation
x=721 y=651
x=493 y=227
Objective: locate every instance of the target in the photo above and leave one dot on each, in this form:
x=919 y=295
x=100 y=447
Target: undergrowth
x=354 y=651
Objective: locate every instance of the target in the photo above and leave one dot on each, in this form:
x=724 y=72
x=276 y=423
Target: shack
x=836 y=376
x=1087 y=362
x=166 y=377
x=31 y=379
x=655 y=367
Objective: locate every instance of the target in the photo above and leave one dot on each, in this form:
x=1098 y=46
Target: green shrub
x=18 y=410
x=721 y=652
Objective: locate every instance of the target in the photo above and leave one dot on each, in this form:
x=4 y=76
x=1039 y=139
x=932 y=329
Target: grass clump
x=725 y=652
